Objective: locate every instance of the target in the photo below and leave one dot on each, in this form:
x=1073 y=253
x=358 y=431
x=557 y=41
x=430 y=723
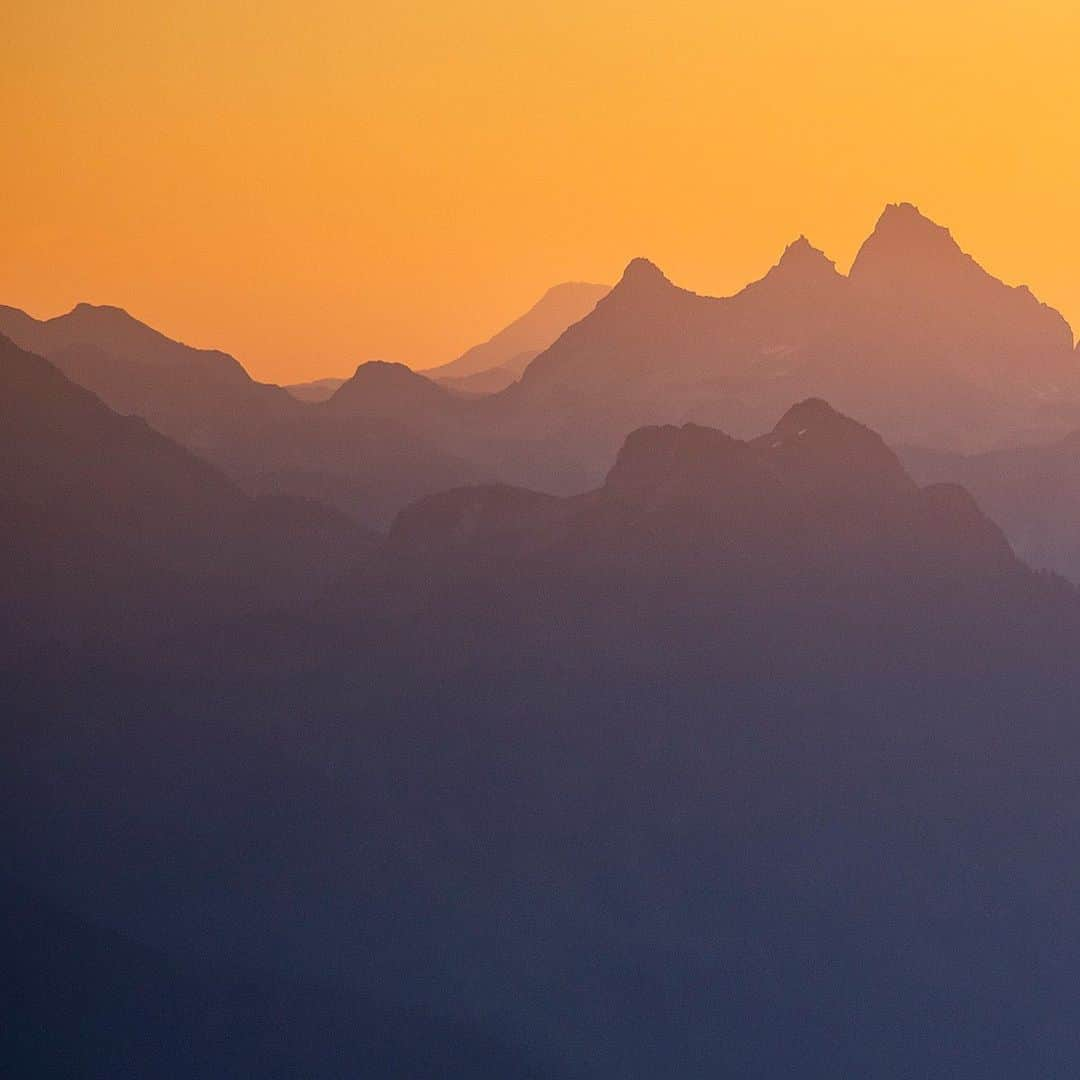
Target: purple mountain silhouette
x=917 y=338
x=197 y=396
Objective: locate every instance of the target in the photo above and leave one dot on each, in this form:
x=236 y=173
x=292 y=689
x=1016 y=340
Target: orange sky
x=310 y=185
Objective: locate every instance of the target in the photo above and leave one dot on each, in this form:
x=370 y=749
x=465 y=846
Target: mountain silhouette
x=192 y=395
x=500 y=361
x=515 y=345
x=114 y=331
x=818 y=507
x=367 y=451
x=385 y=437
x=390 y=391
x=507 y=370
x=648 y=328
x=110 y=523
x=937 y=302
x=917 y=339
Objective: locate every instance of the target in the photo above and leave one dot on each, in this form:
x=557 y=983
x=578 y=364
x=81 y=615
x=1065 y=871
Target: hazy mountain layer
x=1032 y=491
x=192 y=395
x=917 y=340
x=513 y=346
x=314 y=391
x=113 y=531
x=757 y=759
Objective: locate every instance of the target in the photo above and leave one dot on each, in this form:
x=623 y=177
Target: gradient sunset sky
x=309 y=185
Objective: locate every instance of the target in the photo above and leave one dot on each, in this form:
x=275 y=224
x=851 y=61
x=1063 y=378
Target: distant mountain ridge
x=527 y=336
x=819 y=506
x=194 y=395
x=113 y=330
x=496 y=363
x=365 y=452
x=1033 y=492
x=384 y=437
x=917 y=339
x=314 y=391
x=112 y=528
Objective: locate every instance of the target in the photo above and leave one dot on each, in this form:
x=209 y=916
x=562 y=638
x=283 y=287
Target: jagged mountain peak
x=800 y=254
x=906 y=215
x=642 y=274
x=906 y=219
x=802 y=269
x=906 y=238
x=912 y=265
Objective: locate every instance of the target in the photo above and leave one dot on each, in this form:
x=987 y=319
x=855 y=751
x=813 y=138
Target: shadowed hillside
x=112 y=530
x=1032 y=491
x=742 y=741
x=192 y=395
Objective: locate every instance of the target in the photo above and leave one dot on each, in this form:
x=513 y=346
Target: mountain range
x=741 y=740
x=916 y=339
x=368 y=464
x=192 y=395
x=112 y=530
x=693 y=526
x=496 y=363
x=676 y=717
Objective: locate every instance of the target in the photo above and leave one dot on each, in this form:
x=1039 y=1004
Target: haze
x=311 y=186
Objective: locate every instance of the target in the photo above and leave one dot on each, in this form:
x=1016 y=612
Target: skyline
x=310 y=193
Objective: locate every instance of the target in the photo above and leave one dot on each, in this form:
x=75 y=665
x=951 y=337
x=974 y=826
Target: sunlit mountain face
x=514 y=565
